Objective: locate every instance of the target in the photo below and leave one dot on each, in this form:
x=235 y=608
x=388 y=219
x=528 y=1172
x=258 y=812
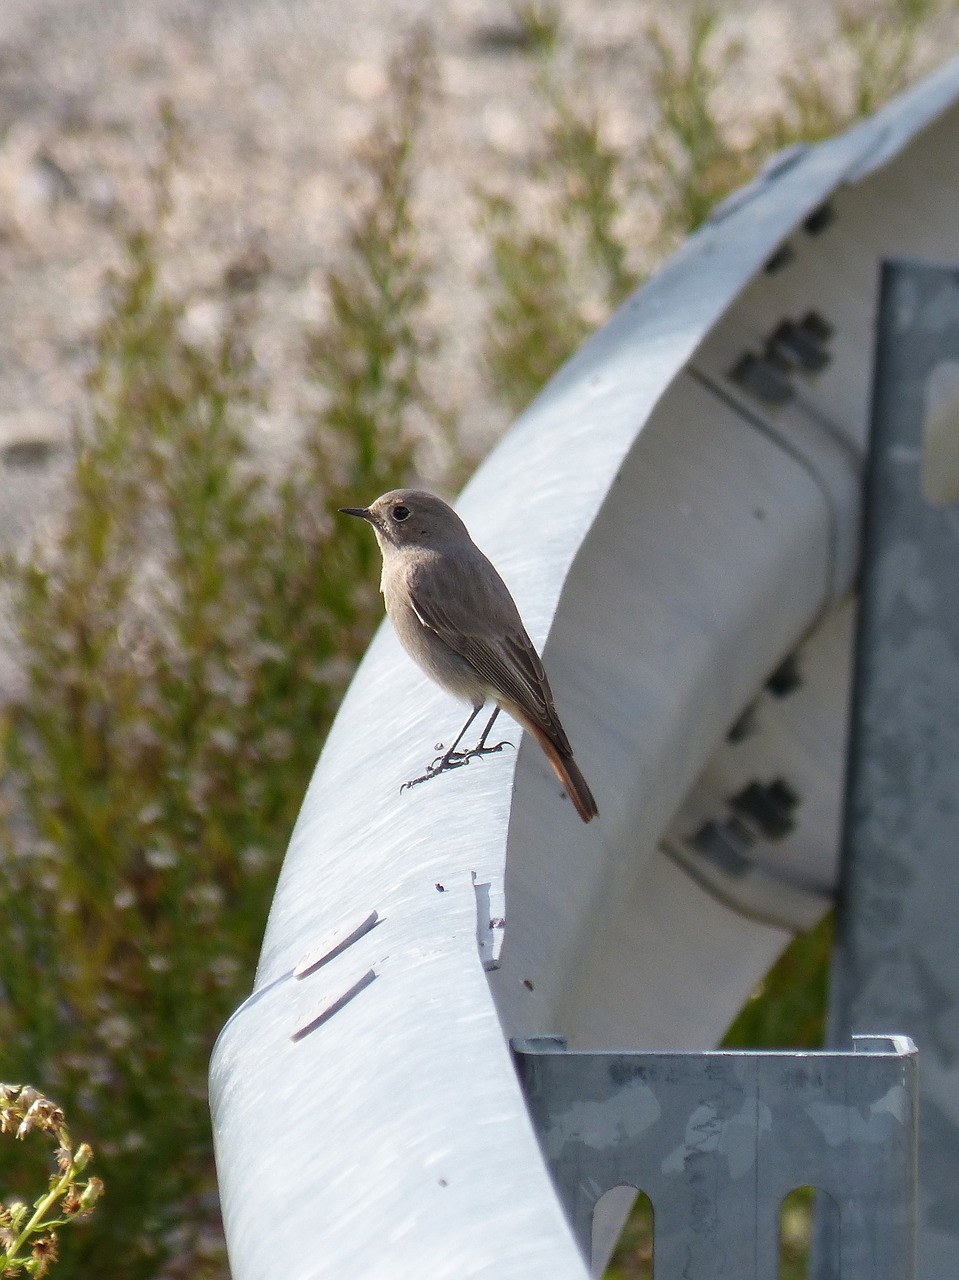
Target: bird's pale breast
x=424 y=646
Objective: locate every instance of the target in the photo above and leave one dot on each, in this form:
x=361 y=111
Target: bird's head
x=410 y=517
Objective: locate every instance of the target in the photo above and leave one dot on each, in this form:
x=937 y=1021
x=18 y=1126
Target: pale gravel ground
x=274 y=94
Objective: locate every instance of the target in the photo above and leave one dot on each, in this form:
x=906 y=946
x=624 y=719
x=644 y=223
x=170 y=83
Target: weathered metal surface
x=717 y=1140
x=898 y=960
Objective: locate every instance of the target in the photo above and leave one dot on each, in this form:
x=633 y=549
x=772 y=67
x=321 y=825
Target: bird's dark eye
x=400 y=513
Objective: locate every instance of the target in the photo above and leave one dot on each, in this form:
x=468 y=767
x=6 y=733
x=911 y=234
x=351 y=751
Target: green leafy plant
x=534 y=323
x=692 y=161
x=551 y=283
x=186 y=632
x=787 y=1010
x=880 y=42
x=539 y=25
x=557 y=272
x=29 y=1234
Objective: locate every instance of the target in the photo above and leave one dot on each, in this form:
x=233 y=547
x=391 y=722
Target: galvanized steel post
x=898 y=959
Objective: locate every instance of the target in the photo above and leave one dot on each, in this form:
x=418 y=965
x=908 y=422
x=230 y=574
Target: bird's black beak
x=362 y=512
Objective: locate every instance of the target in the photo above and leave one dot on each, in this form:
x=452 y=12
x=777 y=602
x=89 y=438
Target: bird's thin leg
x=451 y=759
x=481 y=749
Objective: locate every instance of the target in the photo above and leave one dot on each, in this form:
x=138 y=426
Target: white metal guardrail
x=676 y=516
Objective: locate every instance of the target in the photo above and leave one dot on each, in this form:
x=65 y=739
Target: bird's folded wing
x=494 y=642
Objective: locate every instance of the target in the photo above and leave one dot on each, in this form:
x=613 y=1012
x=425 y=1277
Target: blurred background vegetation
x=188 y=628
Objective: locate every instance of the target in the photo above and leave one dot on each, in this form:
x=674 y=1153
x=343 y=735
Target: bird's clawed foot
x=453 y=759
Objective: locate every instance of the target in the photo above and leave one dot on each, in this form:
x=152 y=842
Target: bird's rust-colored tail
x=568 y=772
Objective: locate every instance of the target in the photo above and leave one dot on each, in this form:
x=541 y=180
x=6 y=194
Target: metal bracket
x=716 y=1140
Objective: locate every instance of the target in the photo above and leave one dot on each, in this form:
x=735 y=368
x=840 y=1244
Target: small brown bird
x=455 y=617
